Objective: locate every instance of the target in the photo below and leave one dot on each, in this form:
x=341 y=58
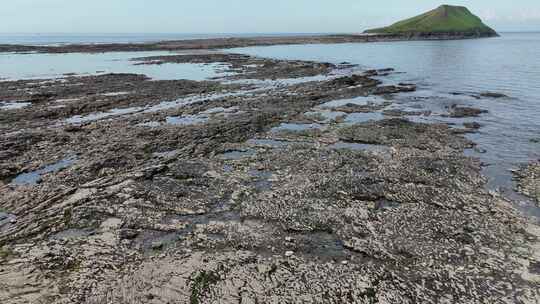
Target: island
x=444 y=22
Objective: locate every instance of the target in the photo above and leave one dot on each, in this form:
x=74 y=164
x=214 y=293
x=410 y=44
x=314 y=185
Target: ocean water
x=61 y=39
x=34 y=66
x=449 y=73
x=14 y=66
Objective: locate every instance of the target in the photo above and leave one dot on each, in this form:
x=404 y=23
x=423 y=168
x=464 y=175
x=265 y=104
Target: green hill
x=444 y=20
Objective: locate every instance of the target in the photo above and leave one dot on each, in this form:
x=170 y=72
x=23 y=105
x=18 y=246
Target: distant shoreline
x=227 y=43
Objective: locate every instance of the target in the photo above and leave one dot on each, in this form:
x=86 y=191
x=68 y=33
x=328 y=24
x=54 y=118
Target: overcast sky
x=242 y=16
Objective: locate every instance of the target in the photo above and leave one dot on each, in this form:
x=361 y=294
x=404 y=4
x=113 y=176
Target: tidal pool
x=34 y=177
x=7 y=105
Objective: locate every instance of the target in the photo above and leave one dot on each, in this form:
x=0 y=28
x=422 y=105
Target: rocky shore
x=227 y=43
x=267 y=185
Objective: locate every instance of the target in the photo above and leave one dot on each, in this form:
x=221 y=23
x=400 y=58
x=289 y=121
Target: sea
x=447 y=73
x=63 y=39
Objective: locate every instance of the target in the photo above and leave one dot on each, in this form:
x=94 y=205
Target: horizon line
x=214 y=33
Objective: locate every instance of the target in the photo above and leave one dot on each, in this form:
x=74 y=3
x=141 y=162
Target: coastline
x=227 y=43
x=248 y=185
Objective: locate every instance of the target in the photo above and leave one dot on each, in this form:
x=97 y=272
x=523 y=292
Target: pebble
x=263 y=268
x=212 y=174
x=480 y=150
x=157 y=245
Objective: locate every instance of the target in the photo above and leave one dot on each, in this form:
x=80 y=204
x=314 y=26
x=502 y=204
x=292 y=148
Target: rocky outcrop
x=239 y=210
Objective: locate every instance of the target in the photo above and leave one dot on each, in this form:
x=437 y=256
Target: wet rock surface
x=258 y=203
x=216 y=43
x=402 y=132
x=78 y=96
x=247 y=67
x=461 y=111
x=493 y=95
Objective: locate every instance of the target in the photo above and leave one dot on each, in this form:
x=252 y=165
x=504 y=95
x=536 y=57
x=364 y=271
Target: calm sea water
x=509 y=64
x=60 y=39
x=15 y=66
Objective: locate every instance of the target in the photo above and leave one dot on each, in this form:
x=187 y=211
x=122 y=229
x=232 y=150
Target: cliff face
x=443 y=22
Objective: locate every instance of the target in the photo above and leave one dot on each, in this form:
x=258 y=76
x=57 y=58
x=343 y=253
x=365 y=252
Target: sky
x=243 y=16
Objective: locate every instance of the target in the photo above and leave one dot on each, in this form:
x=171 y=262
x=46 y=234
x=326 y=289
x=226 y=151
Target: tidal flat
x=259 y=195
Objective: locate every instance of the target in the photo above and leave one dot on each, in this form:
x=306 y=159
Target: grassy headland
x=445 y=19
